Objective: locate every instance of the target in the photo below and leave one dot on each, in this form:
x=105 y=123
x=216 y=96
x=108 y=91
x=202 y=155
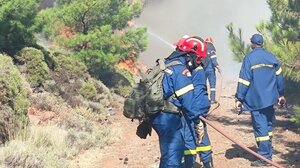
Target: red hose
x=240 y=144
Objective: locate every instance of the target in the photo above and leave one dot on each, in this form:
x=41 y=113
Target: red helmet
x=192 y=44
x=209 y=40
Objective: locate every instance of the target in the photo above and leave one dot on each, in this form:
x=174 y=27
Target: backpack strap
x=173 y=63
x=168 y=106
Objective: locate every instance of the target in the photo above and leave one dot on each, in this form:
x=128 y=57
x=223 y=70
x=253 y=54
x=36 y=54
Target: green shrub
x=128 y=75
x=49 y=102
x=88 y=91
x=123 y=90
x=69 y=67
x=36 y=69
x=119 y=80
x=13 y=97
x=296 y=119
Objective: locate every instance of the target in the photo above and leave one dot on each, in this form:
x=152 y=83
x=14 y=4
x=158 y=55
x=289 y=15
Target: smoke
x=168 y=20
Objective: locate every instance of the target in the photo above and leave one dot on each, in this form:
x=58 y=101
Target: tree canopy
x=281 y=36
x=96 y=31
x=16 y=20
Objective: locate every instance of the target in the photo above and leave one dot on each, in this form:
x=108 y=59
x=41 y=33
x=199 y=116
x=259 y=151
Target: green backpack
x=146 y=98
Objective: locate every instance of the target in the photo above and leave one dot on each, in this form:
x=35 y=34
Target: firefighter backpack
x=146 y=97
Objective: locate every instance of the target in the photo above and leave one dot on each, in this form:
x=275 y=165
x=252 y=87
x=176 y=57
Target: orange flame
x=66 y=32
x=135 y=67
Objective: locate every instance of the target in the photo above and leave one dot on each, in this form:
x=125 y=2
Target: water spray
x=161 y=39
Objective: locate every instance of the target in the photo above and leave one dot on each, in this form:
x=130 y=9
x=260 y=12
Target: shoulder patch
x=186 y=72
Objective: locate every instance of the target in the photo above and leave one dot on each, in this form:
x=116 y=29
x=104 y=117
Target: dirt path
x=132 y=152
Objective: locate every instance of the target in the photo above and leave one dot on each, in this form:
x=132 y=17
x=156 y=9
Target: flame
x=66 y=32
x=135 y=67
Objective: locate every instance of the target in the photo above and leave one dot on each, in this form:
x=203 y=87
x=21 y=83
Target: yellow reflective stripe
x=190 y=152
x=264 y=138
x=169 y=71
x=261 y=65
x=278 y=72
x=243 y=81
x=203 y=148
x=212 y=89
x=184 y=90
x=270 y=133
x=199 y=68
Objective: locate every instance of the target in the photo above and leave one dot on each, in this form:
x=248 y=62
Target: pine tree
x=95 y=30
x=282 y=36
x=16 y=21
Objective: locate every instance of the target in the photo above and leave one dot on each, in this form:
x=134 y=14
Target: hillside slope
x=132 y=152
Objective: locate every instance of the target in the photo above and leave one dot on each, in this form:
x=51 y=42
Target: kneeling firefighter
x=196 y=140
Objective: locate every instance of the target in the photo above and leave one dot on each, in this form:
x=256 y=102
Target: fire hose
x=240 y=144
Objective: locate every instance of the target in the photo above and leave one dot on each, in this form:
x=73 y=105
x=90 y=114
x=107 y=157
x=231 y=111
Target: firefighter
x=260 y=86
x=203 y=146
x=178 y=87
x=197 y=141
x=210 y=65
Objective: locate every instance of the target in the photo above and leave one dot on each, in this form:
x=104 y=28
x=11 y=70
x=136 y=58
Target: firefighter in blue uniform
x=200 y=95
x=260 y=86
x=178 y=88
x=210 y=65
x=201 y=102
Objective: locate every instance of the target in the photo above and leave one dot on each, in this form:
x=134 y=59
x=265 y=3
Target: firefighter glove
x=199 y=128
x=144 y=129
x=238 y=106
x=219 y=69
x=281 y=101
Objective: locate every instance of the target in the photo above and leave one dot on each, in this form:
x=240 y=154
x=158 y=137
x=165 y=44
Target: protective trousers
x=263 y=121
x=204 y=149
x=211 y=76
x=168 y=127
x=191 y=147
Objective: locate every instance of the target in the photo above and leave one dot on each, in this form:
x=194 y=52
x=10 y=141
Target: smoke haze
x=168 y=20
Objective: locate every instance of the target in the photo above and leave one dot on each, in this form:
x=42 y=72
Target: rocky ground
x=130 y=151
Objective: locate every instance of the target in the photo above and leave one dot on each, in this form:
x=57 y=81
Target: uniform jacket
x=211 y=53
x=260 y=80
x=200 y=90
x=177 y=83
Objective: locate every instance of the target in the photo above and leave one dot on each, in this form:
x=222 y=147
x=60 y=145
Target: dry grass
x=52 y=146
x=56 y=145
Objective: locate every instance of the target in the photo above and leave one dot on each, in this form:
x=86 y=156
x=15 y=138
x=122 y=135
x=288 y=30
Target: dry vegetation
x=68 y=113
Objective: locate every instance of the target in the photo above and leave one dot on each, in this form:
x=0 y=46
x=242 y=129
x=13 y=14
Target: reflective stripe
x=261 y=66
x=214 y=56
x=202 y=44
x=184 y=90
x=212 y=89
x=190 y=152
x=199 y=68
x=264 y=138
x=278 y=71
x=169 y=71
x=270 y=133
x=243 y=81
x=203 y=148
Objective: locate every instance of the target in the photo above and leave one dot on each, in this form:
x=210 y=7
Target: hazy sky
x=168 y=20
